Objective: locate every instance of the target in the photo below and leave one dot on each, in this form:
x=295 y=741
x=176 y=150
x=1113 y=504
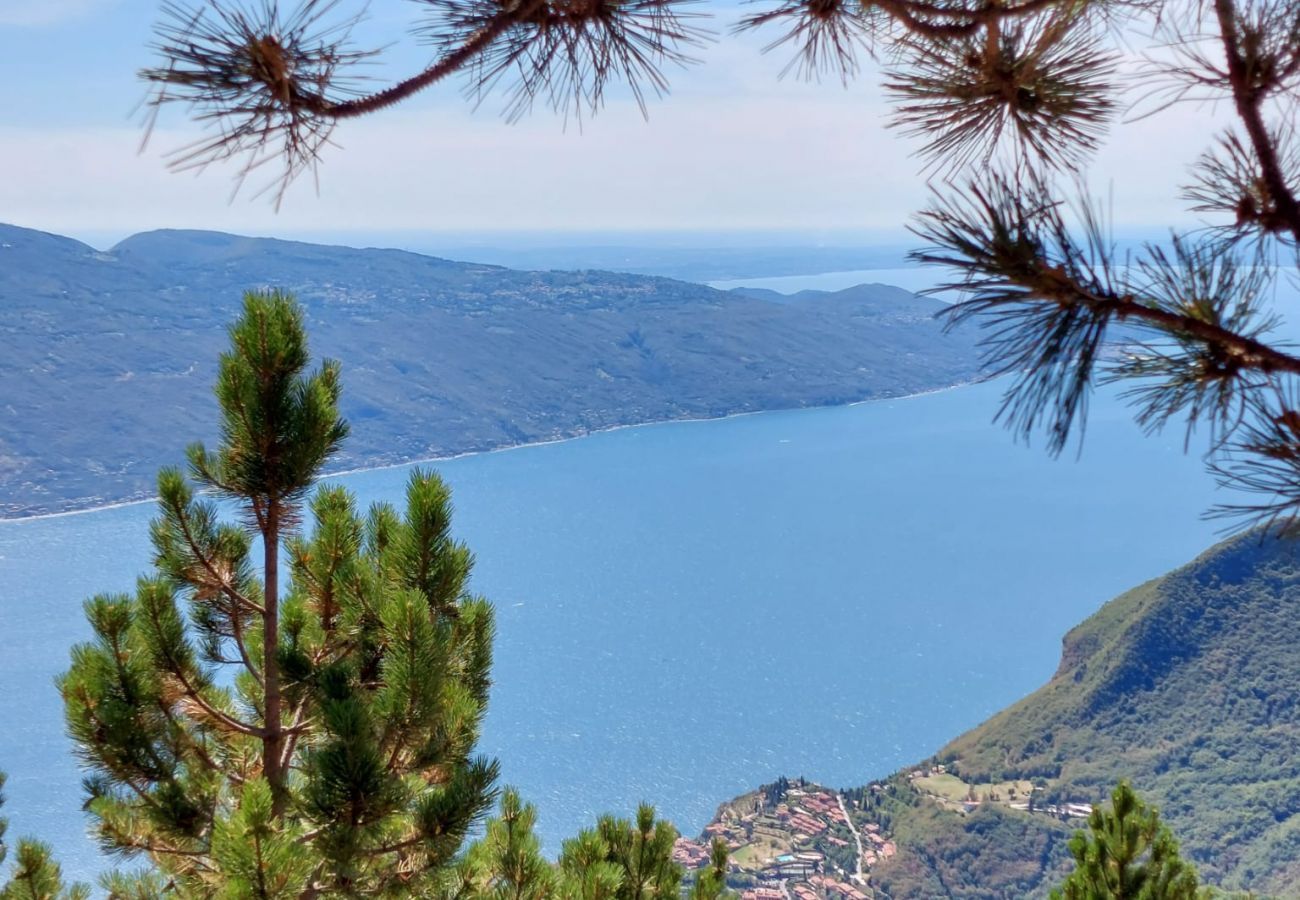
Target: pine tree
x=287 y=706
x=1127 y=854
x=616 y=860
x=507 y=864
x=35 y=875
x=642 y=850
x=586 y=870
x=711 y=881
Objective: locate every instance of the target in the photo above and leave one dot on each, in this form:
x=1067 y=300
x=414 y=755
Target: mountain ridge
x=110 y=355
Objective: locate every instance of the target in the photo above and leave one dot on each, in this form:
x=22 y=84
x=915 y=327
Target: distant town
x=792 y=841
x=795 y=840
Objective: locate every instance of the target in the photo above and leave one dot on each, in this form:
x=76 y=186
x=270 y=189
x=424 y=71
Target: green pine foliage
x=642 y=850
x=1127 y=853
x=507 y=864
x=288 y=705
x=35 y=874
x=711 y=881
x=616 y=860
x=138 y=885
x=586 y=870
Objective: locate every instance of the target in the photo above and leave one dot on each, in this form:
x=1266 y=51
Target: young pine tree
x=711 y=881
x=287 y=706
x=642 y=850
x=1127 y=854
x=616 y=860
x=35 y=875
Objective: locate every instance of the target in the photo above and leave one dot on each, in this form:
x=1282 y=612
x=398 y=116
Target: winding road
x=857 y=839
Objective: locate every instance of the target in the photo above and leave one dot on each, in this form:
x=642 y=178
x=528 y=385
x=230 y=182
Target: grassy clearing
x=952 y=789
x=759 y=852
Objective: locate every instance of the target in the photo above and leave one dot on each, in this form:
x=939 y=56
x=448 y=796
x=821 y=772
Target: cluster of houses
x=811 y=813
x=777 y=836
x=829 y=888
x=691 y=854
x=874 y=845
x=817 y=887
x=779 y=842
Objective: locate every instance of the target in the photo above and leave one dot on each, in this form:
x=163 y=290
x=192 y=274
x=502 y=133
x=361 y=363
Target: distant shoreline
x=119 y=504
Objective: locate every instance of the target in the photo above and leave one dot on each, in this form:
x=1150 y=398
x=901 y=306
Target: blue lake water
x=687 y=610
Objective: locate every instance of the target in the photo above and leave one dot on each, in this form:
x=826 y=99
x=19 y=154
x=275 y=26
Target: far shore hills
x=110 y=355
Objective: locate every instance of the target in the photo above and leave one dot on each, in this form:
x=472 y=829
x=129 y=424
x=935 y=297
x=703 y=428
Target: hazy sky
x=733 y=146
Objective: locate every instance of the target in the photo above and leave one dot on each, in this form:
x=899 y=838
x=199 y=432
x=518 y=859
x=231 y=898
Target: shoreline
x=120 y=504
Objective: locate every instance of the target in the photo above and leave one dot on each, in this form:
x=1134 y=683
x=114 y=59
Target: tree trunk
x=272 y=743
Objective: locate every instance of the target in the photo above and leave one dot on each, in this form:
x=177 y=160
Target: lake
x=687 y=610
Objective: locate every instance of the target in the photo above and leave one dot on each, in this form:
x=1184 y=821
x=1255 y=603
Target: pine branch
x=300 y=726
x=826 y=35
x=180 y=512
x=176 y=503
x=178 y=669
x=121 y=774
x=1248 y=93
x=1264 y=459
x=1228 y=181
x=1046 y=301
x=452 y=62
x=214 y=715
x=272 y=88
x=196 y=747
x=1037 y=86
x=254 y=672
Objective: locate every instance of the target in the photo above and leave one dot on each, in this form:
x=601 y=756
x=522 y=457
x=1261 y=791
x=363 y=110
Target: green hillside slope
x=1187 y=685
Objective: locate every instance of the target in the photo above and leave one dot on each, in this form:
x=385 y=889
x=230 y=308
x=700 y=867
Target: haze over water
x=688 y=610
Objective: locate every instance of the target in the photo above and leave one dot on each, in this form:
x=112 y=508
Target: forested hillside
x=112 y=353
x=1187 y=686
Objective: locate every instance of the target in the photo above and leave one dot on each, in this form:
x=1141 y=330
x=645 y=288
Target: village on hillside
x=792 y=841
x=795 y=840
